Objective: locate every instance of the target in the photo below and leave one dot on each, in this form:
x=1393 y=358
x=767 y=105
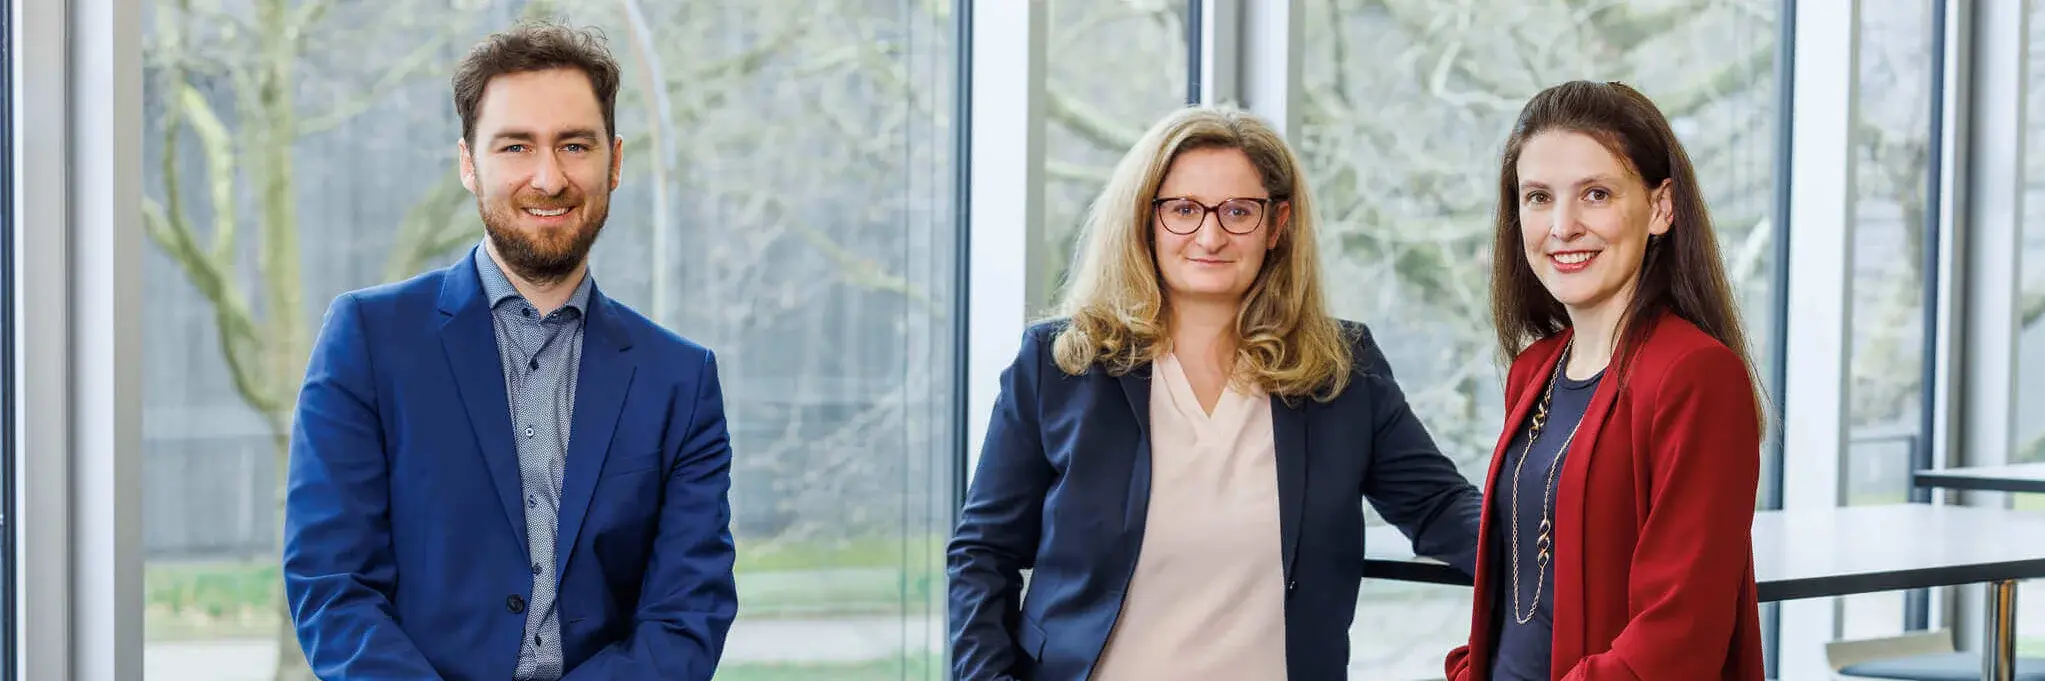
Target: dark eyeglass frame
x=1157 y=206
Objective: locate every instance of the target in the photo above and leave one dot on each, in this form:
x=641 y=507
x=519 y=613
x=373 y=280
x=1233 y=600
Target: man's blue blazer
x=404 y=536
x=1063 y=486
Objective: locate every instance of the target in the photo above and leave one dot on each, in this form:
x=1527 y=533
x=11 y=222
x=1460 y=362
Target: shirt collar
x=497 y=287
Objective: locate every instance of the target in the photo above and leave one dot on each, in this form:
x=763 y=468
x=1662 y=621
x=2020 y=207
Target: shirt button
x=531 y=501
x=528 y=431
x=514 y=603
x=537 y=641
x=533 y=365
x=536 y=568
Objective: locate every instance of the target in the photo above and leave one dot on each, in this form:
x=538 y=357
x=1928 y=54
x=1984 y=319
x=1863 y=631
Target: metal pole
x=1999 y=652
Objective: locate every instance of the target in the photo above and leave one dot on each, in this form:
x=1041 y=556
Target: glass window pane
x=1113 y=69
x=2029 y=439
x=786 y=200
x=1891 y=159
x=1405 y=108
x=7 y=460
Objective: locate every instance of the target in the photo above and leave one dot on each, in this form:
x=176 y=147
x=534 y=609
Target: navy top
x=1523 y=649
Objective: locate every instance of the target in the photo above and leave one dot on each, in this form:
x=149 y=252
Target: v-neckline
x=1181 y=387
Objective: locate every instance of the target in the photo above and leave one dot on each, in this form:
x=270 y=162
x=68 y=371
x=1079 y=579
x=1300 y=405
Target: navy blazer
x=404 y=532
x=1063 y=487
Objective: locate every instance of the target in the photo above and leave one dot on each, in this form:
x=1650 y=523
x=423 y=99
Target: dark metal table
x=2021 y=477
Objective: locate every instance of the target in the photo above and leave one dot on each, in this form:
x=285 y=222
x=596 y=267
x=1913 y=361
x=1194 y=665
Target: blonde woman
x=1180 y=459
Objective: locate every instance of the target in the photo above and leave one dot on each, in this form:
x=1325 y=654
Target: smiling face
x=1585 y=218
x=542 y=168
x=1210 y=260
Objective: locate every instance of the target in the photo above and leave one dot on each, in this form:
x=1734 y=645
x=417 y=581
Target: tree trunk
x=291 y=664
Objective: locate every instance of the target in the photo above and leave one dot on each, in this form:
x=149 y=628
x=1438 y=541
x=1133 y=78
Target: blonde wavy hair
x=1117 y=314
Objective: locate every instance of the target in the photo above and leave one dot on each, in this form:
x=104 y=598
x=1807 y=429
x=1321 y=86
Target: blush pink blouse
x=1207 y=602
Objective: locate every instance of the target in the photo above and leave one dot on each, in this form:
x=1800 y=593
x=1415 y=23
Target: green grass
x=211 y=600
x=882 y=670
x=805 y=578
x=852 y=591
x=810 y=553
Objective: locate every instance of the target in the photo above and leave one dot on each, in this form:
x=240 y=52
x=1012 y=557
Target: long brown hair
x=1287 y=343
x=1681 y=273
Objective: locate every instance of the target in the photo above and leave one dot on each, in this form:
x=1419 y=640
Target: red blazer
x=1654 y=559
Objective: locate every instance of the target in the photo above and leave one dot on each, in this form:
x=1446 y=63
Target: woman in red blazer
x=1616 y=541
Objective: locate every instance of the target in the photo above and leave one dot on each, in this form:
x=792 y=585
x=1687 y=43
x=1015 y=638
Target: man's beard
x=546 y=255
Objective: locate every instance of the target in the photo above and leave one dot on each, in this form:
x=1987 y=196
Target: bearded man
x=496 y=471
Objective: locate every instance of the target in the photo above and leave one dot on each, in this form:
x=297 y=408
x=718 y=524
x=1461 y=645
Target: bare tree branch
x=238 y=337
x=431 y=227
x=207 y=269
x=2032 y=307
x=1090 y=124
x=1628 y=26
x=736 y=68
x=1091 y=176
x=1730 y=77
x=1416 y=20
x=217 y=147
x=1071 y=33
x=421 y=59
x=853 y=268
x=304 y=19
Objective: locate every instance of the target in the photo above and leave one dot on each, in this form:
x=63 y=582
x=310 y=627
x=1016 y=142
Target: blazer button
x=514 y=604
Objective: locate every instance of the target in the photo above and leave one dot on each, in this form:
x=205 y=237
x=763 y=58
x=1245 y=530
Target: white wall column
x=77 y=174
x=40 y=517
x=1820 y=231
x=1991 y=251
x=1005 y=199
x=1956 y=63
x=106 y=353
x=1250 y=57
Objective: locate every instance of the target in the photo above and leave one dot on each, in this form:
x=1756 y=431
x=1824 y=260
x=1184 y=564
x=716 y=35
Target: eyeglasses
x=1184 y=216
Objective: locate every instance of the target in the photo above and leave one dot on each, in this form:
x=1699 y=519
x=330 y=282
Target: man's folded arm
x=688 y=599
x=338 y=566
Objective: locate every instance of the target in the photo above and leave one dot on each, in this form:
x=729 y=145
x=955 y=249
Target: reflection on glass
x=1404 y=109
x=8 y=622
x=1885 y=392
x=786 y=200
x=1112 y=69
x=1404 y=624
x=2028 y=440
x=1891 y=161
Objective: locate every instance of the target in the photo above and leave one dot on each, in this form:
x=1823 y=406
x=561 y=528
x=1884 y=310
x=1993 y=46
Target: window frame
x=77 y=81
x=1981 y=245
x=8 y=619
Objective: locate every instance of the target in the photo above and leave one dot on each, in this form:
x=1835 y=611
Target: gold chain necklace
x=1544 y=542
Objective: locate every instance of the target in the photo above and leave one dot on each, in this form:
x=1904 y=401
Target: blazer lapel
x=1516 y=418
x=1569 y=515
x=470 y=343
x=1136 y=504
x=600 y=387
x=1289 y=430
